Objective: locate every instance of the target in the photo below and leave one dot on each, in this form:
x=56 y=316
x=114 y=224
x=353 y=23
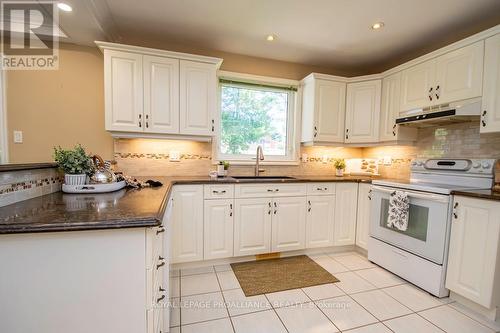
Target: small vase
x=339 y=172
x=78 y=179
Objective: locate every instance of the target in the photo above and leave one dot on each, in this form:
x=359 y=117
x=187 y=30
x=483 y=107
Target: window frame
x=293 y=119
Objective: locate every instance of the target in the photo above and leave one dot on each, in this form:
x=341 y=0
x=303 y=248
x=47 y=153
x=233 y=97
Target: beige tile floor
x=368 y=299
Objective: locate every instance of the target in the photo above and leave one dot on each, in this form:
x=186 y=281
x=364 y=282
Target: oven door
x=427 y=224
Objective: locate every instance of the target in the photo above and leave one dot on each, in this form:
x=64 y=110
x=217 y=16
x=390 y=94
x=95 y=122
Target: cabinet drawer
x=320 y=188
x=222 y=191
x=269 y=190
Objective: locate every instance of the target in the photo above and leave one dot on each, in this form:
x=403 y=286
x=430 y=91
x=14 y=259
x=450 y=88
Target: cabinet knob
x=430 y=93
x=315 y=131
x=158 y=300
x=309 y=203
x=213 y=125
x=347 y=133
x=160 y=265
x=483 y=118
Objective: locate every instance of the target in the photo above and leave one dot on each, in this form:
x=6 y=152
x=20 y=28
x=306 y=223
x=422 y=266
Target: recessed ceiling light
x=64 y=7
x=270 y=38
x=377 y=25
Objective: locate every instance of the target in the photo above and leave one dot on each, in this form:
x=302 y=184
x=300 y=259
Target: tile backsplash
x=144 y=157
x=17 y=186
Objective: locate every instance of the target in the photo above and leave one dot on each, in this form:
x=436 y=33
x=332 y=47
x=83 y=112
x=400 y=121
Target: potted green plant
x=75 y=163
x=339 y=164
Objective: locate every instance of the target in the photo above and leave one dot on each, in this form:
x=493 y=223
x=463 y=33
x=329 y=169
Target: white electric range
x=419 y=254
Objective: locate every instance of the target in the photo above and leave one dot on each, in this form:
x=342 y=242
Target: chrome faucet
x=258 y=158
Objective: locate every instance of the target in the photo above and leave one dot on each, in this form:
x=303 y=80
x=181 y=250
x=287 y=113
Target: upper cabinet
x=198 y=98
x=454 y=76
x=490 y=116
x=157 y=92
x=323 y=112
x=123 y=91
x=363 y=111
x=391 y=105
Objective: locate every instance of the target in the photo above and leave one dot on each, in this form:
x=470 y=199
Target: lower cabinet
x=252 y=226
x=187 y=224
x=320 y=220
x=363 y=216
x=218 y=229
x=288 y=224
x=346 y=204
x=473 y=262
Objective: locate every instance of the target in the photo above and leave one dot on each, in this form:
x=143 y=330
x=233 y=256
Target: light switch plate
x=18 y=137
x=175 y=156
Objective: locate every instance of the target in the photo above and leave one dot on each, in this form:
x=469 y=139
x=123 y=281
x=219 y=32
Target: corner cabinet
x=389 y=112
x=151 y=92
x=490 y=116
x=363 y=111
x=474 y=263
x=323 y=110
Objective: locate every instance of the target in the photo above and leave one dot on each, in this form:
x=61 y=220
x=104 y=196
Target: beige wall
x=62 y=107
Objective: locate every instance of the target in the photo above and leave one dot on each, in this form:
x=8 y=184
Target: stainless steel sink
x=263 y=178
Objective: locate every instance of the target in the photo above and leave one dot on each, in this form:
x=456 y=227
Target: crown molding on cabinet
x=341 y=78
x=156 y=52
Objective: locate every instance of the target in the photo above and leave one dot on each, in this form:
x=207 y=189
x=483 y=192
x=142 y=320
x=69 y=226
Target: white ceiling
x=334 y=33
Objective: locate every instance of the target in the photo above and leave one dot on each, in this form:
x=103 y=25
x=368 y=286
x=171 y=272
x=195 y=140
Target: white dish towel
x=399 y=206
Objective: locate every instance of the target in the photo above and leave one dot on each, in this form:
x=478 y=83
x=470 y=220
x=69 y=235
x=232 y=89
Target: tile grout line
x=465 y=314
x=317 y=307
x=224 y=299
x=276 y=313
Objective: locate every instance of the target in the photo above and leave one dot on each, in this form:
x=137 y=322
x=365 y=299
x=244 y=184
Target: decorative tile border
x=17 y=186
x=154 y=156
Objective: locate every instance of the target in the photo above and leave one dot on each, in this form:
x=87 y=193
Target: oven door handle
x=413 y=194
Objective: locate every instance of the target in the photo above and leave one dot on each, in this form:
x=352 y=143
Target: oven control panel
x=459 y=165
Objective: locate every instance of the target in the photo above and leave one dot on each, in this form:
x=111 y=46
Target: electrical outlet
x=175 y=156
x=18 y=137
x=324 y=159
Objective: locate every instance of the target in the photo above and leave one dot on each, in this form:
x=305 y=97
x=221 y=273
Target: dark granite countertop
x=480 y=194
x=122 y=209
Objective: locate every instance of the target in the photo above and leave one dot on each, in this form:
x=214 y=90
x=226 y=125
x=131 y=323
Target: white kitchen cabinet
x=459 y=74
x=123 y=93
x=252 y=226
x=363 y=111
x=320 y=220
x=288 y=224
x=473 y=263
x=490 y=118
x=454 y=76
x=161 y=94
x=218 y=229
x=323 y=112
x=78 y=281
x=417 y=90
x=389 y=112
x=151 y=92
x=363 y=215
x=187 y=223
x=346 y=206
x=198 y=92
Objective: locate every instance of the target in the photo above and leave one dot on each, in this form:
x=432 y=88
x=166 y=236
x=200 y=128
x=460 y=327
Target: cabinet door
x=329 y=111
x=123 y=91
x=288 y=224
x=363 y=216
x=198 y=91
x=474 y=249
x=218 y=229
x=459 y=74
x=161 y=95
x=320 y=221
x=252 y=226
x=187 y=223
x=346 y=203
x=490 y=121
x=391 y=105
x=416 y=84
x=363 y=111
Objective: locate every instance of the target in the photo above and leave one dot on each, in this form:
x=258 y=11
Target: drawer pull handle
x=158 y=300
x=309 y=204
x=160 y=231
x=277 y=190
x=270 y=190
x=321 y=188
x=219 y=192
x=160 y=265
